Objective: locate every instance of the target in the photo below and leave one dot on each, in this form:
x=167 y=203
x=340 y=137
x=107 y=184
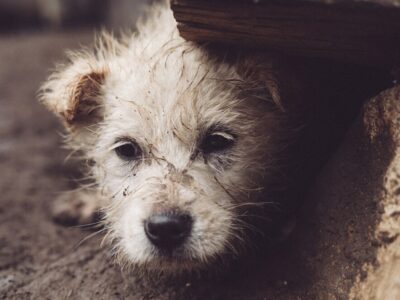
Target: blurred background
x=18 y=15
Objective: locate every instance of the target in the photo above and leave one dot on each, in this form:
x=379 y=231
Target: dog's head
x=184 y=146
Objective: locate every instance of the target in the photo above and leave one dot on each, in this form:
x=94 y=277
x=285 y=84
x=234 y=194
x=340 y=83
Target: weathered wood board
x=365 y=32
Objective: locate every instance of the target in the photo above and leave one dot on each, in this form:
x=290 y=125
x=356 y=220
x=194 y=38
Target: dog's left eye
x=216 y=142
x=128 y=150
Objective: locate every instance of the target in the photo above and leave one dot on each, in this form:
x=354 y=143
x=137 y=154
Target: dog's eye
x=128 y=150
x=217 y=141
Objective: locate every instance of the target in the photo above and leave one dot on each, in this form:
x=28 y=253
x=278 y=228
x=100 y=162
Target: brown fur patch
x=83 y=97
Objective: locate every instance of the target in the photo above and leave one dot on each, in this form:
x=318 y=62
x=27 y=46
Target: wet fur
x=166 y=94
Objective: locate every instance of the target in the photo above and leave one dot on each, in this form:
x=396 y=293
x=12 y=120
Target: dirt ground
x=328 y=253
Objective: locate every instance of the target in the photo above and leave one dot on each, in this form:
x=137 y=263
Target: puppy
x=192 y=156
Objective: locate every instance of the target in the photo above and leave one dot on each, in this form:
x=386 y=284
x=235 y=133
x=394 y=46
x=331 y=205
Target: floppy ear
x=281 y=78
x=74 y=94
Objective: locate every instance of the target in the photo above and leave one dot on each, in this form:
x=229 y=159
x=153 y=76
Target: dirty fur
x=167 y=95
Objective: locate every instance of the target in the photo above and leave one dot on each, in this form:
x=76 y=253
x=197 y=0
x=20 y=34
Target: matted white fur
x=167 y=95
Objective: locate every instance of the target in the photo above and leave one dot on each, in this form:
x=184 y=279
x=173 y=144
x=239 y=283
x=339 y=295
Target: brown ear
x=85 y=105
x=75 y=95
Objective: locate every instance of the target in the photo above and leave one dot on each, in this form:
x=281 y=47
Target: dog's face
x=183 y=147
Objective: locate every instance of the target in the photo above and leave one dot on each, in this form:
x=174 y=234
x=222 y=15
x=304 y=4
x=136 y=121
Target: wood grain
x=365 y=32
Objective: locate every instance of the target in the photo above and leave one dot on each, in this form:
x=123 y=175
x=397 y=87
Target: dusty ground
x=323 y=259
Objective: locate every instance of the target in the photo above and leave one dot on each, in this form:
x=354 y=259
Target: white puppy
x=188 y=152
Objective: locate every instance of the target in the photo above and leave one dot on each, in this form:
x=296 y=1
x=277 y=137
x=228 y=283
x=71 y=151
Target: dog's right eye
x=217 y=142
x=128 y=151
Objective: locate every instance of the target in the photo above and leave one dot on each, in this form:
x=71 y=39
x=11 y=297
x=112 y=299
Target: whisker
x=80 y=243
x=94 y=224
x=251 y=204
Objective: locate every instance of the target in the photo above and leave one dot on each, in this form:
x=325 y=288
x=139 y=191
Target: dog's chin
x=176 y=263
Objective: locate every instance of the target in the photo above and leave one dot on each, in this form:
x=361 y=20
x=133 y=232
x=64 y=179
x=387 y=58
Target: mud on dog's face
x=180 y=143
x=178 y=157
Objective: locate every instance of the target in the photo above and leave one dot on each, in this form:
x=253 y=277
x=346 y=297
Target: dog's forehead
x=178 y=87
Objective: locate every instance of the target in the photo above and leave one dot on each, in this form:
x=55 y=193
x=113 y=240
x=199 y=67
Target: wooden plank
x=365 y=32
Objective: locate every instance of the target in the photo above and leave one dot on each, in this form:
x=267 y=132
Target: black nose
x=168 y=231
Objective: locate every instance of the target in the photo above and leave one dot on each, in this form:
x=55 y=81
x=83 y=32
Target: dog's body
x=189 y=153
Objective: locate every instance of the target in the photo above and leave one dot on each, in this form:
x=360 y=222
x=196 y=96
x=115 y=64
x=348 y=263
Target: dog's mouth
x=172 y=254
x=174 y=261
